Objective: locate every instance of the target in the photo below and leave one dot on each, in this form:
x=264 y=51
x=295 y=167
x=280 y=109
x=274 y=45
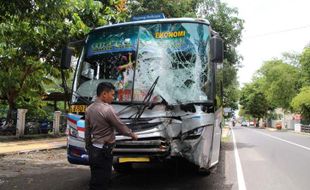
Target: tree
x=305 y=66
x=279 y=82
x=291 y=58
x=243 y=113
x=231 y=86
x=32 y=34
x=253 y=101
x=171 y=9
x=301 y=102
x=226 y=22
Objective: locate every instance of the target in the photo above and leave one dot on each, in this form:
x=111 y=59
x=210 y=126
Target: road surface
x=261 y=159
x=50 y=170
x=273 y=160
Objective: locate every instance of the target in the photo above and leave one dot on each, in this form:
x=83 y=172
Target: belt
x=105 y=145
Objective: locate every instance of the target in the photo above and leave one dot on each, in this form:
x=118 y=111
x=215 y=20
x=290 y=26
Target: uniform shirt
x=100 y=123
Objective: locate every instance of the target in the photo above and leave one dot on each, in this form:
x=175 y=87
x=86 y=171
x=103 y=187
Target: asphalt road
x=263 y=160
x=273 y=160
x=50 y=170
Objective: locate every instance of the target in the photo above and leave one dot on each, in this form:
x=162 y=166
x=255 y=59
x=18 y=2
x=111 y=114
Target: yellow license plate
x=137 y=159
x=78 y=108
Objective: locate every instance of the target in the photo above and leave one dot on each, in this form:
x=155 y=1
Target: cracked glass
x=133 y=56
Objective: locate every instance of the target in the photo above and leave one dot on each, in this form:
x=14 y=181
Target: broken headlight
x=195 y=133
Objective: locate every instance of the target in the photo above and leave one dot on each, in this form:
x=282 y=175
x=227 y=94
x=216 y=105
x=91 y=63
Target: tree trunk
x=257 y=123
x=11 y=96
x=9 y=117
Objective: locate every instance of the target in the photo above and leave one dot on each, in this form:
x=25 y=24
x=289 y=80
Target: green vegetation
x=253 y=101
x=32 y=36
x=171 y=9
x=281 y=83
x=301 y=102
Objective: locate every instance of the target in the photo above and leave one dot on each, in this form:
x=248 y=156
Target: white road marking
x=289 y=142
x=241 y=183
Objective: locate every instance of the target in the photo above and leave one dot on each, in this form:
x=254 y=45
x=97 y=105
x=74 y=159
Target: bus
x=168 y=78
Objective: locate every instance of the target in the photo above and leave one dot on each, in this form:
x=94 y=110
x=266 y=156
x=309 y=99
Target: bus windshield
x=133 y=56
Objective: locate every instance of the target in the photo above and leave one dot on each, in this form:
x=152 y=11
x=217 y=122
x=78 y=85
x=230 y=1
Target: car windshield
x=133 y=56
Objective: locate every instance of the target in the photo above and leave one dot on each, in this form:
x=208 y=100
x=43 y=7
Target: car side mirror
x=66 y=57
x=217 y=49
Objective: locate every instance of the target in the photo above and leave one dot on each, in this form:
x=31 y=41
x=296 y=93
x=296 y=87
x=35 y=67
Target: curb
x=279 y=130
x=226 y=132
x=301 y=133
x=271 y=129
x=33 y=150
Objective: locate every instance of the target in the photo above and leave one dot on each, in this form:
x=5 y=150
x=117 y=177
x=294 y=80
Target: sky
x=271 y=28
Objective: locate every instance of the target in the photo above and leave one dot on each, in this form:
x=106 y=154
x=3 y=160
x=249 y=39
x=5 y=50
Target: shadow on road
x=177 y=176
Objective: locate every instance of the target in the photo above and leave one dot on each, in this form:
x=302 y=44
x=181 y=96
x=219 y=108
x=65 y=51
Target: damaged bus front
x=168 y=81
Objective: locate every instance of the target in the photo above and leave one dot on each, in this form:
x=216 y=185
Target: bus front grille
x=158 y=147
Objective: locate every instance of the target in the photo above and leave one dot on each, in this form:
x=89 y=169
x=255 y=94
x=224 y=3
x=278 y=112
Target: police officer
x=100 y=123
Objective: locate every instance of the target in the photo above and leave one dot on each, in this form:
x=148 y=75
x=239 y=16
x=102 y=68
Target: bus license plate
x=78 y=108
x=137 y=159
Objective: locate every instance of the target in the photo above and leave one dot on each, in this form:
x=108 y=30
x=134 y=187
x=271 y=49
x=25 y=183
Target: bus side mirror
x=217 y=49
x=66 y=57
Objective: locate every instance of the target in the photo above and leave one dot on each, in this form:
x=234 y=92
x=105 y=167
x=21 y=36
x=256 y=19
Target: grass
x=226 y=134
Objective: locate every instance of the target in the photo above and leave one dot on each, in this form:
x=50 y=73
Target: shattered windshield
x=132 y=57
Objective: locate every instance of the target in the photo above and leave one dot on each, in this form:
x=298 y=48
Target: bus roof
x=193 y=20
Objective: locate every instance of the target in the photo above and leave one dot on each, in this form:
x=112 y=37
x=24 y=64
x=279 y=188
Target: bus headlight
x=73 y=132
x=195 y=133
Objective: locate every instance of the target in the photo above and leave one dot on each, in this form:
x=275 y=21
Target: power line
x=277 y=32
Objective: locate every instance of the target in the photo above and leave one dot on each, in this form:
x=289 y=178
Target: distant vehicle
x=251 y=123
x=226 y=123
x=244 y=124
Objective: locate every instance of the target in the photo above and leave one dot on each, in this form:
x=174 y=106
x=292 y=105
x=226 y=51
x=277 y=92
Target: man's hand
x=134 y=136
x=87 y=147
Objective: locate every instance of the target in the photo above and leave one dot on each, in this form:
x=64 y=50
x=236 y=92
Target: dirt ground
x=18 y=170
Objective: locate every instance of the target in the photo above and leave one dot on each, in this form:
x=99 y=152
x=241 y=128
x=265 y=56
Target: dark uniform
x=100 y=123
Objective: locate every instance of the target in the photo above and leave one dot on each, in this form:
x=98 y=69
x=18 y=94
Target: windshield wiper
x=146 y=100
x=77 y=95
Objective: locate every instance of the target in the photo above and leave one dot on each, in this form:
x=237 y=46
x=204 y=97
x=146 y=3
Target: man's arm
x=87 y=133
x=119 y=125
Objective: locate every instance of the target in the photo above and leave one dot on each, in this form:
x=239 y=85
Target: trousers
x=100 y=160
